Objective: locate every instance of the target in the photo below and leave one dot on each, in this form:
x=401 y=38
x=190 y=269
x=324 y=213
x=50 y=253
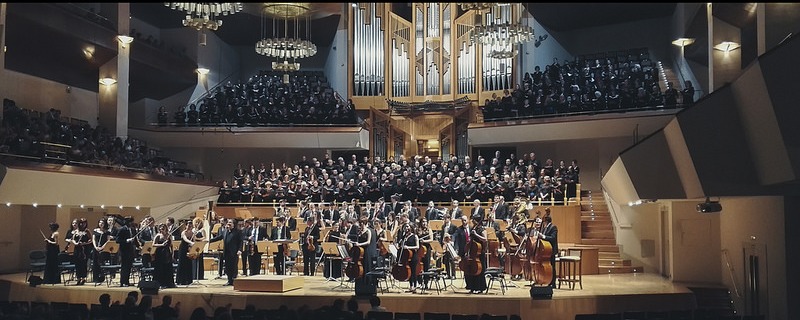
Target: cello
x=355 y=269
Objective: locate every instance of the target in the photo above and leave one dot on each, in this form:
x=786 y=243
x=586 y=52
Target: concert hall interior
x=456 y=160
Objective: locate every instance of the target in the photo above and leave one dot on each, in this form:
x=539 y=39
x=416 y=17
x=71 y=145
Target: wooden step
x=598 y=241
x=601 y=248
x=597 y=225
x=620 y=269
x=599 y=235
x=596 y=218
x=614 y=262
x=596 y=213
x=597 y=229
x=608 y=255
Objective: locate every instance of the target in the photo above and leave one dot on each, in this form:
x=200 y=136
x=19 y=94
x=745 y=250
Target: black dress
x=183 y=275
x=162 y=266
x=198 y=269
x=51 y=274
x=99 y=257
x=81 y=254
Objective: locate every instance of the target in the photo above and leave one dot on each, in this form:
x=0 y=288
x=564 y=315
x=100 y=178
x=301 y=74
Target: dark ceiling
x=67 y=65
x=572 y=16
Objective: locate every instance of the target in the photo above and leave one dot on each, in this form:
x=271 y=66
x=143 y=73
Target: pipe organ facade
x=430 y=58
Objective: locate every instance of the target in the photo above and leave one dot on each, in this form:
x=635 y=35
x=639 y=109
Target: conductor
x=232 y=241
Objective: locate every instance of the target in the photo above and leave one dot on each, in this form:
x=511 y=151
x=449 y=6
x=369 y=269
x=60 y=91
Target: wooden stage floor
x=609 y=293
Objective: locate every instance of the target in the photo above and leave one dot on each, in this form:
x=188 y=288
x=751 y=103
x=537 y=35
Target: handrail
x=730 y=272
x=613 y=212
x=212 y=89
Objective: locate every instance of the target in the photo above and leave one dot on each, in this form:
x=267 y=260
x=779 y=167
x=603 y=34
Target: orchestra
x=368 y=238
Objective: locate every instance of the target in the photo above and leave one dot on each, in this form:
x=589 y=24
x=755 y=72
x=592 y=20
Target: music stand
x=147 y=247
x=197 y=250
x=435 y=224
x=342 y=249
x=111 y=247
x=330 y=252
x=262 y=247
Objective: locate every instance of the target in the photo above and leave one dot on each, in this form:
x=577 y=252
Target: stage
x=609 y=293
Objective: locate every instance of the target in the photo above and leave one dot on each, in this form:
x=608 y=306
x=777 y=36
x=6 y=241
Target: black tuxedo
x=232 y=241
x=501 y=212
x=126 y=254
x=255 y=257
x=550 y=233
x=479 y=211
x=279 y=256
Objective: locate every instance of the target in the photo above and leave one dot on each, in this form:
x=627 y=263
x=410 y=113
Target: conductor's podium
x=268 y=283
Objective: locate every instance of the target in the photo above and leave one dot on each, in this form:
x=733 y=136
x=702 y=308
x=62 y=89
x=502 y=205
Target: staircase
x=597 y=231
x=666 y=75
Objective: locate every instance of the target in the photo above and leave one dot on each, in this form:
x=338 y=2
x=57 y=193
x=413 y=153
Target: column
x=113 y=95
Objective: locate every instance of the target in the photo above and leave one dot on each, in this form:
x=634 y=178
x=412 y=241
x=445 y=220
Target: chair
x=569 y=269
x=407 y=316
x=431 y=277
x=291 y=261
x=495 y=274
x=465 y=317
x=681 y=315
x=435 y=316
x=66 y=268
x=493 y=317
x=36 y=263
x=381 y=274
x=379 y=315
x=79 y=310
x=658 y=315
x=634 y=315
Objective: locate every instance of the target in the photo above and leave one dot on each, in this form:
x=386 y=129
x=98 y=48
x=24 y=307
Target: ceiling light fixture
x=203 y=71
x=503 y=29
x=124 y=40
x=107 y=81
x=682 y=42
x=205 y=15
x=727 y=46
x=285 y=45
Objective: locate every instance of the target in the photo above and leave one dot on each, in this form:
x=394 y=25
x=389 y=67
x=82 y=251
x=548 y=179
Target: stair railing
x=730 y=272
x=613 y=212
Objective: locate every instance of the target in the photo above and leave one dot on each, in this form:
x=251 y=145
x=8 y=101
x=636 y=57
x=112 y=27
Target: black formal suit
x=501 y=212
x=550 y=234
x=246 y=231
x=479 y=211
x=232 y=241
x=256 y=234
x=456 y=213
x=126 y=254
x=280 y=233
x=310 y=256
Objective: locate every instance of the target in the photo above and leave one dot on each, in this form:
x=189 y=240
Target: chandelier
x=503 y=31
x=285 y=44
x=205 y=15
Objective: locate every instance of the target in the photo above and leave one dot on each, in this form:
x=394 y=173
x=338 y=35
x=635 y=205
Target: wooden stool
x=569 y=269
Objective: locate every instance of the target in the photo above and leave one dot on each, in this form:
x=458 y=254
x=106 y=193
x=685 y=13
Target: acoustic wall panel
x=716 y=141
x=760 y=127
x=652 y=169
x=781 y=72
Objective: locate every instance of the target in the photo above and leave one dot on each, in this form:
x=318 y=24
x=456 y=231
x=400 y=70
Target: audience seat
x=435 y=316
x=407 y=316
x=379 y=315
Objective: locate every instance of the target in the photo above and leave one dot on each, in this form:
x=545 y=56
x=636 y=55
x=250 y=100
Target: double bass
x=471 y=264
x=401 y=270
x=539 y=258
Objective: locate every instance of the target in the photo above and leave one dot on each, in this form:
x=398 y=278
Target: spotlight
x=102 y=206
x=35 y=204
x=59 y=205
x=82 y=206
x=120 y=207
x=8 y=204
x=709 y=206
x=137 y=207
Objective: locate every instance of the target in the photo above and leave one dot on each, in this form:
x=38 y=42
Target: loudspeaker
x=149 y=287
x=34 y=280
x=542 y=293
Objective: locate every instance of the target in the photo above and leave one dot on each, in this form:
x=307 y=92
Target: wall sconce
x=125 y=40
x=727 y=46
x=203 y=71
x=107 y=81
x=682 y=42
